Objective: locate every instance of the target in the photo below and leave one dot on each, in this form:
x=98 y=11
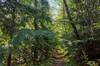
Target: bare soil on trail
x=58 y=62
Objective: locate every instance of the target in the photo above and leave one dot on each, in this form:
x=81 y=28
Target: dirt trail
x=58 y=62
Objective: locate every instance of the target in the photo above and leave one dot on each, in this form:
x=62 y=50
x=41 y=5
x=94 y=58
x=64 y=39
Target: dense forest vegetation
x=49 y=32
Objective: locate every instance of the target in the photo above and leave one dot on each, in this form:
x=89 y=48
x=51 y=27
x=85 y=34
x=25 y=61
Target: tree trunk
x=36 y=23
x=36 y=16
x=9 y=57
x=71 y=20
x=9 y=60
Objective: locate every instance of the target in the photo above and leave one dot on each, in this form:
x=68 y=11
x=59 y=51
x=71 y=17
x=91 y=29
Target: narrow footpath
x=58 y=62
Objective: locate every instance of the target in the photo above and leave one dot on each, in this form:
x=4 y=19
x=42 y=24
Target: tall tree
x=88 y=15
x=36 y=15
x=70 y=19
x=44 y=12
x=8 y=23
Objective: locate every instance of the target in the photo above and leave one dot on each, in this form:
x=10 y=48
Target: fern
x=37 y=37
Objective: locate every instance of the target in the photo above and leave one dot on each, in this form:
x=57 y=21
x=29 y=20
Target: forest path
x=58 y=62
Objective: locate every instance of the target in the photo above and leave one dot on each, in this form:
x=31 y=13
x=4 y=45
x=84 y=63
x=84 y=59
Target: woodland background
x=49 y=32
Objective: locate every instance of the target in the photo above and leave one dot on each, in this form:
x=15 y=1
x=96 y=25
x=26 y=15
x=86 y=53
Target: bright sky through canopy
x=54 y=7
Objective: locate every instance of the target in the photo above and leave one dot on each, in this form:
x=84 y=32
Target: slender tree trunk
x=34 y=50
x=35 y=57
x=9 y=57
x=11 y=33
x=36 y=23
x=9 y=60
x=71 y=20
x=36 y=16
